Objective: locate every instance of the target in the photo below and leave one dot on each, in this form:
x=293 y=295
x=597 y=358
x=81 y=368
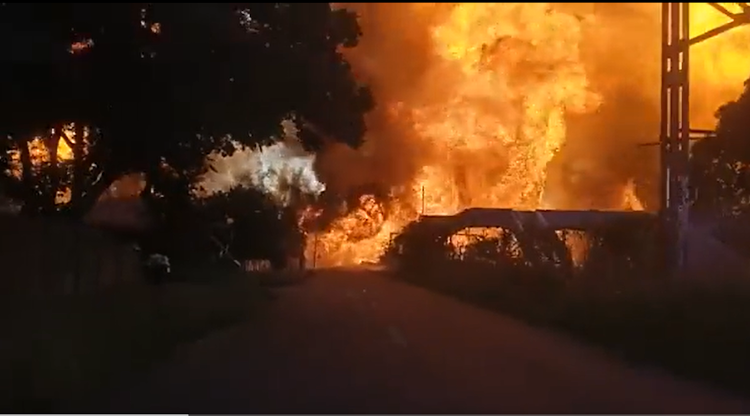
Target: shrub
x=616 y=297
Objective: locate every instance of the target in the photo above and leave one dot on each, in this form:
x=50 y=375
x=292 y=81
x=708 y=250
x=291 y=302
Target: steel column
x=675 y=131
x=674 y=139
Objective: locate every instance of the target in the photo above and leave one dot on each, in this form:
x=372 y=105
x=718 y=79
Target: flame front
x=511 y=85
x=480 y=96
x=510 y=73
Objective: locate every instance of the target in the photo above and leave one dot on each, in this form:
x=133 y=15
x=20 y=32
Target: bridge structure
x=535 y=231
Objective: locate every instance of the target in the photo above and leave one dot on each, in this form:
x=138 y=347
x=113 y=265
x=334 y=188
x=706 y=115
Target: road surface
x=359 y=342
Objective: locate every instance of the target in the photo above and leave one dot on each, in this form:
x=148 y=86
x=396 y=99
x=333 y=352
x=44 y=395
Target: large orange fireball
x=520 y=105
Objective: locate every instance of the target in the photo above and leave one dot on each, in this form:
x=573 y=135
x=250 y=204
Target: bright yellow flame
x=718 y=65
x=40 y=154
x=492 y=109
x=630 y=200
x=510 y=74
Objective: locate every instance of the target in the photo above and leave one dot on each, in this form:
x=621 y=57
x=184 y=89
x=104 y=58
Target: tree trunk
x=29 y=192
x=79 y=166
x=87 y=186
x=52 y=142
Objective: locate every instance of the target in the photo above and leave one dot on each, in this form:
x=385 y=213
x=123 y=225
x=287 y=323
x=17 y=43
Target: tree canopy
x=721 y=165
x=156 y=87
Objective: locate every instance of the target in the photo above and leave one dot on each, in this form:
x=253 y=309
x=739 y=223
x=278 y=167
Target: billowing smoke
x=517 y=105
x=279 y=170
x=621 y=50
x=563 y=52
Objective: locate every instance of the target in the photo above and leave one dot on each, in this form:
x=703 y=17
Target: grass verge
x=55 y=351
x=695 y=330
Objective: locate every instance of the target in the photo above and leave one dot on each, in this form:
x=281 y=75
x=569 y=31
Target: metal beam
x=675 y=132
x=737 y=19
x=722 y=10
x=718 y=30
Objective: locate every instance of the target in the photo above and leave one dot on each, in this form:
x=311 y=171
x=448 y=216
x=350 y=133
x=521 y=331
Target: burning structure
x=496 y=105
x=505 y=105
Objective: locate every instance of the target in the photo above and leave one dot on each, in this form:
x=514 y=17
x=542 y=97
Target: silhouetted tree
x=34 y=77
x=156 y=87
x=248 y=222
x=721 y=165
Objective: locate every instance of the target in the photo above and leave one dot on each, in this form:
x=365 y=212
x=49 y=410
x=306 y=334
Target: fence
x=48 y=257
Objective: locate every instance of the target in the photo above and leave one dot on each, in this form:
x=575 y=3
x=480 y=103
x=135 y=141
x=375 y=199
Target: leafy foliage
x=721 y=165
x=251 y=225
x=164 y=85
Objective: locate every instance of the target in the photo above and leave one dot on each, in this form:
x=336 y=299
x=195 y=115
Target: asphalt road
x=359 y=342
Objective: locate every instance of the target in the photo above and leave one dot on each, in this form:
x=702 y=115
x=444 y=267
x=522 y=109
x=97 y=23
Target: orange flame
x=490 y=105
x=40 y=155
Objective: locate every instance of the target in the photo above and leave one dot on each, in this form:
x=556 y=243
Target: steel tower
x=675 y=132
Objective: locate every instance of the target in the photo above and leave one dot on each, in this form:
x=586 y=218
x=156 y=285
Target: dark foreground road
x=357 y=342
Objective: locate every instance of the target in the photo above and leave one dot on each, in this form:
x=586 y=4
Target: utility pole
x=675 y=130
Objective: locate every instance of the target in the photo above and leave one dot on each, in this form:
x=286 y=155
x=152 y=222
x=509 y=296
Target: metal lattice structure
x=675 y=134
